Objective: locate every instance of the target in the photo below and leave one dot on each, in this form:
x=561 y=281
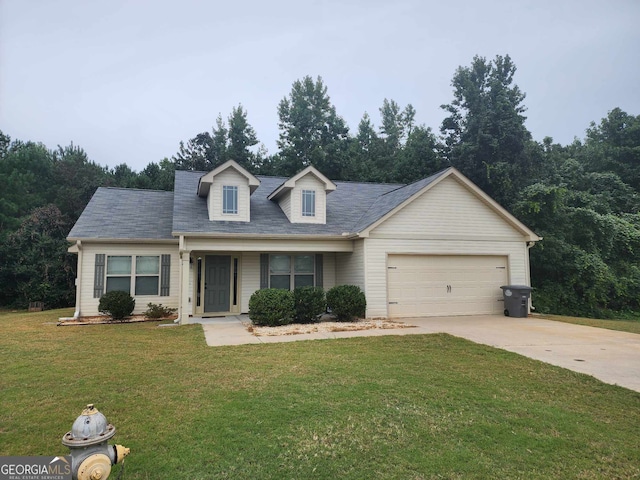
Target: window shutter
x=98 y=276
x=264 y=270
x=165 y=275
x=319 y=271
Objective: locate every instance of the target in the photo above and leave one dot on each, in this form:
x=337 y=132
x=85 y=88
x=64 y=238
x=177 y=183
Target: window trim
x=308 y=196
x=133 y=275
x=233 y=208
x=292 y=268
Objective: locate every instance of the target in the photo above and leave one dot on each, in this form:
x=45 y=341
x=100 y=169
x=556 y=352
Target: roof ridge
x=131 y=189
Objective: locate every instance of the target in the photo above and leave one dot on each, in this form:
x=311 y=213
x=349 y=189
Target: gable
x=229 y=178
x=448 y=210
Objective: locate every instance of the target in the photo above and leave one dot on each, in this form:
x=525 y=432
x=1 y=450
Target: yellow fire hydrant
x=91 y=457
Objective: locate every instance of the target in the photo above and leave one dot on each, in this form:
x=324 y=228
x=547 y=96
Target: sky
x=127 y=80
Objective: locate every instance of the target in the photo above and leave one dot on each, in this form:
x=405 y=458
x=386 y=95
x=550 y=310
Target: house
x=439 y=246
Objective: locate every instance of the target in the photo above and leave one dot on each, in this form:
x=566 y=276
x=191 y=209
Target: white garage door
x=433 y=285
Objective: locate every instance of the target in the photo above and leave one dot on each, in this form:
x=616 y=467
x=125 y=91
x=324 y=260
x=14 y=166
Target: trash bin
x=516 y=300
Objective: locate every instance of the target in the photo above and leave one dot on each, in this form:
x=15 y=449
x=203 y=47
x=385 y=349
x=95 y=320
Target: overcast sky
x=128 y=79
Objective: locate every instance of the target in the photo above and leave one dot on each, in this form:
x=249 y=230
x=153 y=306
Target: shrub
x=157 y=310
x=118 y=304
x=346 y=302
x=271 y=307
x=309 y=303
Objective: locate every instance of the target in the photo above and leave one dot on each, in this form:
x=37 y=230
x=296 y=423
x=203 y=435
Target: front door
x=217 y=280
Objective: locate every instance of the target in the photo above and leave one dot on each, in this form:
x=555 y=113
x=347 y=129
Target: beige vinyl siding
x=250 y=278
x=350 y=267
x=308 y=182
x=378 y=249
x=89 y=305
x=250 y=275
x=285 y=205
x=329 y=270
x=229 y=177
x=448 y=210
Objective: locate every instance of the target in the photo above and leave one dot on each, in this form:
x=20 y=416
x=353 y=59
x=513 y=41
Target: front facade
x=438 y=246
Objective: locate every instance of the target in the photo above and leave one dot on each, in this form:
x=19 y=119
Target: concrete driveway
x=610 y=356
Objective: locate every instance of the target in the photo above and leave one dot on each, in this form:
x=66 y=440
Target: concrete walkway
x=610 y=356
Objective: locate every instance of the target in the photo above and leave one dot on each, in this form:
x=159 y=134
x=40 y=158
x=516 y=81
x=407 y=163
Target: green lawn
x=405 y=407
x=631 y=326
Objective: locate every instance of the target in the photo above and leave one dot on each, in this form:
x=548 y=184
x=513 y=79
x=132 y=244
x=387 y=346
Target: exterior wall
x=229 y=177
x=250 y=277
x=291 y=203
x=285 y=205
x=350 y=267
x=250 y=272
x=86 y=273
x=450 y=211
x=329 y=270
x=377 y=251
x=446 y=220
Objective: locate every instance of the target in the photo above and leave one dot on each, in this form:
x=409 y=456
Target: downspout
x=530 y=245
x=181 y=286
x=76 y=314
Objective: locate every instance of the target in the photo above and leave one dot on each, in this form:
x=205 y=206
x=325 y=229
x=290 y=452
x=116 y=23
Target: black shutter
x=98 y=276
x=319 y=271
x=165 y=275
x=264 y=270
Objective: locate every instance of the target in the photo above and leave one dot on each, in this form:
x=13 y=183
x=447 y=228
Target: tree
x=484 y=134
x=76 y=179
x=37 y=266
x=311 y=132
x=242 y=137
x=614 y=146
x=207 y=151
x=157 y=176
x=26 y=172
x=419 y=157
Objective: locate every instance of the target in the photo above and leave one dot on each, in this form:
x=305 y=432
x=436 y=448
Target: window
x=147 y=274
x=308 y=203
x=230 y=200
x=119 y=273
x=291 y=271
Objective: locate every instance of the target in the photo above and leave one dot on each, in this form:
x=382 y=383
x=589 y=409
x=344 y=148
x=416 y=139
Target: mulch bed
x=105 y=319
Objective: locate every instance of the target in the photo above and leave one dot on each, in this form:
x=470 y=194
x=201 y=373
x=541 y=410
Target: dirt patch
x=322 y=327
x=105 y=319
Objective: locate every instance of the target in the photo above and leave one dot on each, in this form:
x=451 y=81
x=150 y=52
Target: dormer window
x=230 y=200
x=308 y=203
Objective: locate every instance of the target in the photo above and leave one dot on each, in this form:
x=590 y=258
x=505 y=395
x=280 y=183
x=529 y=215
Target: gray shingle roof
x=126 y=213
x=122 y=213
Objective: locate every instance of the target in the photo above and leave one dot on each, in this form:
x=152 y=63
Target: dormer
x=227 y=190
x=303 y=198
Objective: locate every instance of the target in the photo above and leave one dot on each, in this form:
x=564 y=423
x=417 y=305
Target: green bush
x=346 y=302
x=157 y=310
x=117 y=304
x=271 y=307
x=310 y=302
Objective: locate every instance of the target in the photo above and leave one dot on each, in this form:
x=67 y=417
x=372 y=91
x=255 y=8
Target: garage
x=439 y=285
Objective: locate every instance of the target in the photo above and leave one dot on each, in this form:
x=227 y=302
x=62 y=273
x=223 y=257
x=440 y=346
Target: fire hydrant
x=91 y=457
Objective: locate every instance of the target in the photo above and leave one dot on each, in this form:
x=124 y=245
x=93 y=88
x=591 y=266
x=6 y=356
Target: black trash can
x=516 y=300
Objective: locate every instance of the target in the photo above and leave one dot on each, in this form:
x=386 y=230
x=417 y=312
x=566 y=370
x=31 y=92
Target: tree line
x=583 y=198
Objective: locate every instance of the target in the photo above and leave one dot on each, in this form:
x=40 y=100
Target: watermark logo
x=35 y=468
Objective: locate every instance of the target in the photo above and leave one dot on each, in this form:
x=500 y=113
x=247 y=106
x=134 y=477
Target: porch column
x=185 y=309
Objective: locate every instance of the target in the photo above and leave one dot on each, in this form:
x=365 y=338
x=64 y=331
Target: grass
x=405 y=407
x=623 y=325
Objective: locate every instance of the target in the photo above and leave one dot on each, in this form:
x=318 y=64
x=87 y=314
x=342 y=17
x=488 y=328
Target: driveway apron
x=608 y=355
